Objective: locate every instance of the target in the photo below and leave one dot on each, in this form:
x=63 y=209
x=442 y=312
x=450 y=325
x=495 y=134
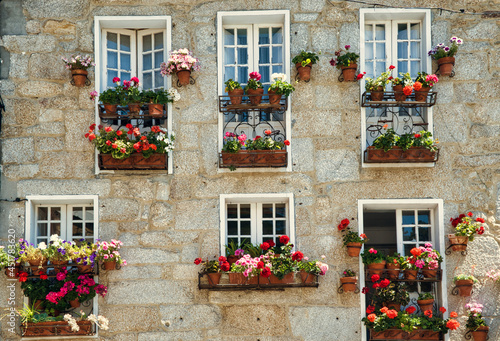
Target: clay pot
x=455 y=241
x=376 y=268
x=273 y=97
x=425 y=304
x=59 y=265
x=110 y=109
x=79 y=77
x=349 y=72
x=254 y=100
x=231 y=259
x=304 y=71
x=398 y=93
x=238 y=278
x=83 y=269
x=134 y=108
x=155 y=109
x=75 y=303
x=429 y=273
x=393 y=305
x=377 y=95
x=410 y=274
x=38 y=266
x=464 y=287
x=392 y=270
x=349 y=283
x=481 y=333
x=183 y=77
x=307 y=277
x=421 y=95
x=446 y=65
x=353 y=249
x=109 y=265
x=213 y=278
x=236 y=96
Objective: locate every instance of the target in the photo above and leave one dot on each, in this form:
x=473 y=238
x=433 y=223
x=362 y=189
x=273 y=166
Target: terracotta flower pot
x=393 y=305
x=231 y=259
x=110 y=109
x=459 y=243
x=51 y=328
x=398 y=93
x=410 y=274
x=429 y=273
x=59 y=265
x=307 y=277
x=254 y=100
x=425 y=304
x=388 y=334
x=349 y=72
x=134 y=108
x=83 y=269
x=464 y=287
x=75 y=303
x=392 y=270
x=349 y=283
x=109 y=265
x=481 y=334
x=304 y=71
x=287 y=279
x=38 y=305
x=184 y=76
x=255 y=158
x=38 y=266
x=155 y=109
x=446 y=65
x=239 y=278
x=236 y=96
x=376 y=268
x=273 y=97
x=353 y=249
x=377 y=95
x=79 y=77
x=421 y=95
x=213 y=278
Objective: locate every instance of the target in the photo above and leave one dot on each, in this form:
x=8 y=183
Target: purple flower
x=332 y=62
x=347 y=47
x=446 y=49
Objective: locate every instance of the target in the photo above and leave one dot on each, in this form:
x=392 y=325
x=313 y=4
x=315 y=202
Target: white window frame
x=261 y=198
x=267 y=17
x=29 y=230
x=130 y=22
x=384 y=15
x=437 y=206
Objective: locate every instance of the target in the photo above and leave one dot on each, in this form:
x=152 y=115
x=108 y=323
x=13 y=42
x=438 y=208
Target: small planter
x=255 y=158
x=376 y=268
x=239 y=278
x=273 y=97
x=38 y=305
x=80 y=78
x=425 y=304
x=304 y=71
x=353 y=249
x=398 y=93
x=480 y=334
x=155 y=109
x=446 y=65
x=110 y=109
x=38 y=266
x=429 y=273
x=423 y=334
x=272 y=279
x=397 y=155
x=59 y=265
x=135 y=161
x=410 y=274
x=464 y=287
x=236 y=96
x=56 y=328
x=307 y=277
x=184 y=77
x=389 y=334
x=134 y=108
x=349 y=283
x=255 y=96
x=421 y=95
x=392 y=270
x=214 y=278
x=231 y=259
x=84 y=269
x=377 y=95
x=109 y=265
x=393 y=305
x=75 y=303
x=349 y=72
x=458 y=243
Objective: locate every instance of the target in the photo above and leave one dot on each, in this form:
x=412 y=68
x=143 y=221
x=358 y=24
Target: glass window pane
x=147 y=61
x=368 y=51
x=415 y=68
x=277 y=35
x=368 y=32
x=263 y=54
x=267 y=210
x=229 y=37
x=403 y=50
x=369 y=70
x=280 y=211
x=147 y=80
x=38 y=241
x=243 y=74
x=415 y=49
x=42 y=213
x=232 y=211
x=264 y=72
x=242 y=55
x=380 y=32
x=232 y=228
x=402 y=31
x=407 y=248
x=229 y=57
x=280 y=227
x=41 y=229
x=112 y=41
x=245 y=228
x=125 y=43
x=89 y=213
x=403 y=66
x=424 y=217
x=77 y=229
x=125 y=62
x=245 y=211
x=277 y=69
x=111 y=74
x=379 y=67
x=55 y=213
x=146 y=43
x=125 y=75
x=380 y=50
x=228 y=73
x=267 y=227
x=409 y=234
x=77 y=213
x=263 y=35
x=242 y=36
x=158 y=59
x=55 y=228
x=159 y=80
x=234 y=240
x=424 y=233
x=415 y=31
x=112 y=60
x=158 y=41
x=277 y=54
x=408 y=218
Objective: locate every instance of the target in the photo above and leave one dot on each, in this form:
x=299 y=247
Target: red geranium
x=365 y=290
x=470 y=214
x=23 y=277
x=453 y=314
x=297 y=256
x=43 y=275
x=481 y=220
x=286 y=142
x=392 y=313
x=442 y=310
x=384 y=283
x=428 y=313
x=375 y=278
x=392 y=67
x=197 y=261
x=371 y=317
x=384 y=310
x=370 y=309
x=416 y=252
x=260 y=265
x=284 y=240
x=452 y=324
x=271 y=242
x=266 y=272
x=410 y=309
x=225 y=266
x=264 y=246
x=376 y=285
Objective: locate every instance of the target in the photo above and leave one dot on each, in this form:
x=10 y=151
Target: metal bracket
x=448 y=249
x=87 y=81
x=340 y=290
x=468 y=335
x=341 y=77
x=191 y=81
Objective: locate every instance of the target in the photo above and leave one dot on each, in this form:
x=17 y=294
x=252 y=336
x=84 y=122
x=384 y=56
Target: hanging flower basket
x=55 y=328
x=397 y=155
x=255 y=158
x=135 y=161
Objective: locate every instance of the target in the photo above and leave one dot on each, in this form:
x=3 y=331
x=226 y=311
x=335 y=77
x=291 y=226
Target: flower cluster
x=390 y=139
x=474 y=314
x=425 y=80
x=233 y=143
x=494 y=275
x=465 y=225
x=109 y=251
x=345 y=59
x=280 y=86
x=375 y=84
x=212 y=266
x=180 y=60
x=78 y=62
x=428 y=258
x=350 y=236
x=254 y=81
x=442 y=51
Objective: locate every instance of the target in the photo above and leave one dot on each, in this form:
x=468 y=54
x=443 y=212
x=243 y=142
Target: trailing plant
x=78 y=62
x=180 y=60
x=474 y=317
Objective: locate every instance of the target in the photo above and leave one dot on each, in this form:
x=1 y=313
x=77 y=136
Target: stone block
x=50 y=115
x=299 y=36
x=440 y=32
x=145 y=318
x=61 y=103
x=49 y=144
x=310 y=123
x=205 y=39
x=448 y=122
x=39 y=89
x=134 y=188
x=47 y=66
x=266 y=320
x=81 y=164
x=186 y=162
x=181 y=188
x=485 y=29
x=337 y=165
x=312 y=5
x=188 y=136
x=305 y=17
x=484 y=130
x=7 y=87
x=53 y=165
x=472 y=66
x=25 y=111
x=210 y=150
x=349 y=35
x=119 y=209
x=161 y=215
x=54 y=128
x=20 y=171
x=131 y=272
x=56 y=9
x=185 y=272
x=18 y=66
x=18 y=150
x=162 y=191
x=38 y=43
x=212 y=187
x=303 y=155
x=59 y=28
x=33 y=27
x=196 y=316
x=149 y=256
x=489 y=90
x=133 y=226
x=100 y=187
x=192 y=335
x=197 y=215
x=324 y=38
x=170 y=237
x=158 y=291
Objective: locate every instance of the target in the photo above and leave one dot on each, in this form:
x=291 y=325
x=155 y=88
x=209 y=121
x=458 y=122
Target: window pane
x=267 y=210
x=379 y=68
x=234 y=240
x=125 y=61
x=242 y=37
x=245 y=211
x=276 y=69
x=42 y=229
x=369 y=51
x=242 y=55
x=380 y=32
x=147 y=80
x=89 y=213
x=42 y=213
x=147 y=61
x=146 y=43
x=232 y=211
x=267 y=227
x=408 y=218
x=415 y=31
x=280 y=211
x=403 y=50
x=264 y=71
x=77 y=213
x=280 y=227
x=368 y=32
x=245 y=228
x=228 y=73
x=229 y=55
x=77 y=229
x=159 y=80
x=263 y=54
x=277 y=54
x=424 y=234
x=380 y=50
x=111 y=74
x=158 y=59
x=277 y=35
x=369 y=70
x=409 y=234
x=424 y=217
x=243 y=74
x=229 y=37
x=415 y=49
x=403 y=66
x=263 y=35
x=415 y=68
x=158 y=41
x=55 y=228
x=112 y=60
x=232 y=228
x=125 y=43
x=402 y=31
x=55 y=213
x=112 y=41
x=407 y=248
x=125 y=75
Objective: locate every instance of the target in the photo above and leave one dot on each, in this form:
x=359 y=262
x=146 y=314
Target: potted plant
x=254 y=88
x=377 y=85
x=83 y=256
x=445 y=55
x=388 y=294
x=108 y=253
x=386 y=325
x=132 y=95
x=374 y=261
x=110 y=97
x=412 y=263
x=352 y=240
x=247 y=269
x=234 y=91
x=182 y=62
x=78 y=65
x=402 y=87
x=283 y=262
x=476 y=323
x=156 y=99
x=310 y=270
x=212 y=268
x=59 y=252
x=425 y=301
x=35 y=256
x=36 y=289
x=429 y=261
x=304 y=62
x=347 y=62
x=393 y=266
x=465 y=228
x=464 y=284
x=423 y=84
x=234 y=251
x=349 y=280
x=280 y=87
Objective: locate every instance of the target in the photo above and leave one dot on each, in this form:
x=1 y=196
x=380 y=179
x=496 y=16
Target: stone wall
x=166 y=221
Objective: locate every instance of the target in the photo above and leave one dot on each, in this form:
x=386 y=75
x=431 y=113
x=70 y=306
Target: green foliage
x=282 y=264
x=253 y=84
x=463 y=277
x=345 y=59
x=305 y=58
x=232 y=246
x=387 y=140
x=232 y=85
x=36 y=289
x=310 y=267
x=475 y=320
x=281 y=86
x=394 y=292
x=210 y=266
x=348 y=273
x=372 y=257
x=159 y=96
x=390 y=139
x=132 y=95
x=425 y=296
x=372 y=84
x=112 y=95
x=394 y=259
x=405 y=80
x=264 y=143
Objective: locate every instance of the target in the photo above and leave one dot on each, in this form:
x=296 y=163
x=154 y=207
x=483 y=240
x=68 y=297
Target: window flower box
x=397 y=155
x=237 y=281
x=398 y=334
x=254 y=158
x=134 y=162
x=55 y=328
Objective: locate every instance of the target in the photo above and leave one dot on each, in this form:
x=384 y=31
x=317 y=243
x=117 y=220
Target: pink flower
x=116 y=80
x=135 y=80
x=93 y=95
x=61 y=276
x=242 y=138
x=255 y=75
x=347 y=47
x=372 y=250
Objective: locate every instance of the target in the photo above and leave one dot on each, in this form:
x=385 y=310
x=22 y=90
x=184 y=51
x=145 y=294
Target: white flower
x=54 y=237
x=42 y=246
